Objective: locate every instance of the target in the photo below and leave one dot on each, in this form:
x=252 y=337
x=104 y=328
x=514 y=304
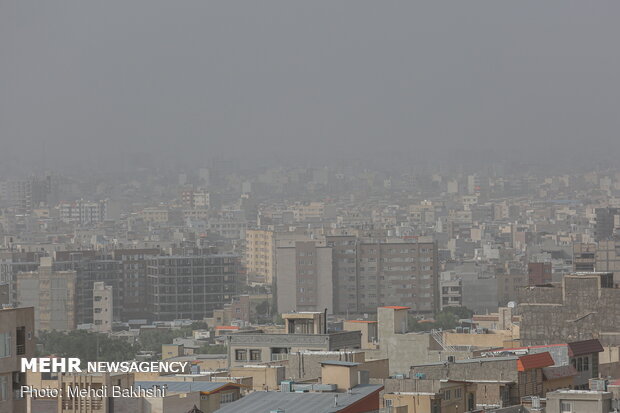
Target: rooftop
x=263 y=402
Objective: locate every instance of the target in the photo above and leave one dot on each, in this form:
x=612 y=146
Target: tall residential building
x=133 y=264
x=260 y=250
x=102 y=307
x=24 y=195
x=16 y=342
x=371 y=274
x=190 y=287
x=90 y=267
x=260 y=253
x=607 y=220
x=304 y=281
x=83 y=212
x=12 y=263
x=51 y=293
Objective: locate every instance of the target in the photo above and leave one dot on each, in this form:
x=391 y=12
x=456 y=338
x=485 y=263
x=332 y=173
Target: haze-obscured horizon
x=314 y=82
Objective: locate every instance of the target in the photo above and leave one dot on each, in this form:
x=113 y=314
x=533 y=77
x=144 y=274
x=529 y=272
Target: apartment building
x=190 y=287
x=133 y=264
x=260 y=254
x=371 y=274
x=52 y=294
x=16 y=342
x=102 y=307
x=83 y=212
x=90 y=267
x=305 y=281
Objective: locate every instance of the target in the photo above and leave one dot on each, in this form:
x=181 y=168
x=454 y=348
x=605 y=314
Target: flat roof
x=340 y=363
x=309 y=402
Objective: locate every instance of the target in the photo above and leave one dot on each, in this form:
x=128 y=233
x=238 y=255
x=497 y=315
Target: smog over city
x=309 y=206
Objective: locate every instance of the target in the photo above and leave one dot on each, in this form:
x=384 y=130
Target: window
x=241 y=355
x=4 y=388
x=447 y=395
x=458 y=393
x=586 y=364
x=5 y=344
x=566 y=407
x=255 y=355
x=579 y=364
x=228 y=397
x=387 y=402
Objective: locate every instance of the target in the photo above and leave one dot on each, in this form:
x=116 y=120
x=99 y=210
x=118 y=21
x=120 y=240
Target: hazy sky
x=295 y=79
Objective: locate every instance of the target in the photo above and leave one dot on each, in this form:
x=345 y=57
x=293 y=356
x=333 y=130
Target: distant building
x=305 y=277
x=584 y=257
x=83 y=212
x=190 y=287
x=260 y=254
x=539 y=273
x=607 y=220
x=53 y=294
x=102 y=307
x=368 y=275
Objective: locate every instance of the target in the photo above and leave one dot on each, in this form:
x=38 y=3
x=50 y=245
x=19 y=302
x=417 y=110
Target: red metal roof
x=227 y=328
x=579 y=348
x=396 y=307
x=534 y=361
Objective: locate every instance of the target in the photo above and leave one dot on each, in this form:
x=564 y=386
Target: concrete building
x=260 y=254
x=16 y=342
x=608 y=258
x=508 y=286
x=102 y=307
x=451 y=290
x=404 y=348
x=91 y=266
x=52 y=294
x=369 y=330
x=578 y=362
x=501 y=381
x=607 y=220
x=563 y=401
x=539 y=273
x=305 y=331
x=304 y=277
x=584 y=257
x=583 y=306
x=133 y=264
x=429 y=396
x=83 y=212
x=190 y=287
x=369 y=274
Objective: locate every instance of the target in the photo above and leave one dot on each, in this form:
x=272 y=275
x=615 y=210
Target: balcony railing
x=20 y=349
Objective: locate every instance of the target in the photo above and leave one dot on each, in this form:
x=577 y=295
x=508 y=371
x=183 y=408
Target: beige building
x=304 y=280
x=51 y=293
x=67 y=403
x=16 y=342
x=368 y=328
x=433 y=396
x=260 y=253
x=156 y=215
x=568 y=401
x=102 y=307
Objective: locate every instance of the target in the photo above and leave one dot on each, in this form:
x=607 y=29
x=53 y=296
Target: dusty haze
x=307 y=81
